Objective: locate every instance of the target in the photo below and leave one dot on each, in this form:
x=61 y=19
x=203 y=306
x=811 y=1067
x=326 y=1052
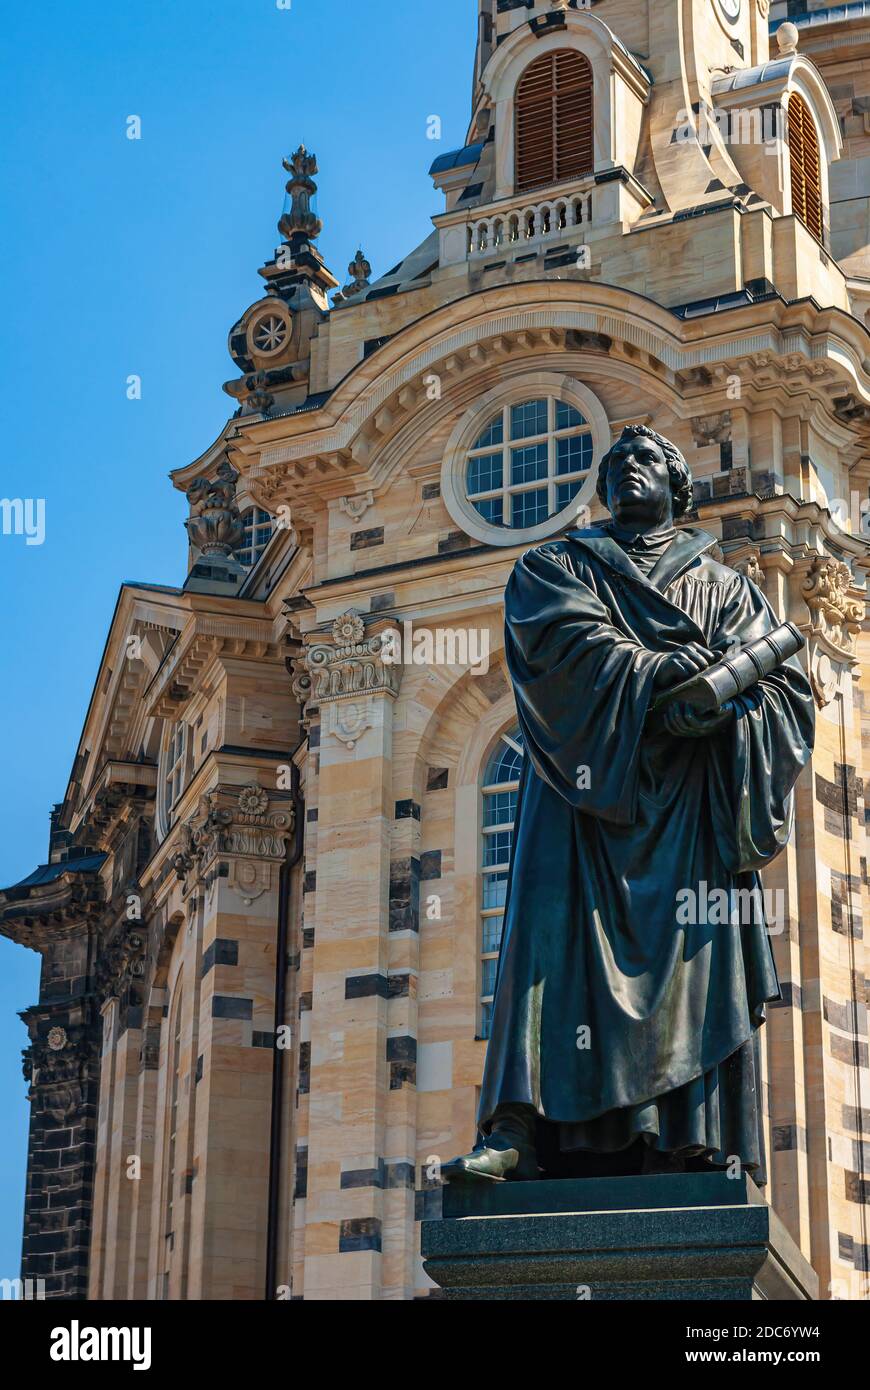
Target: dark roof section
x=753 y=292
x=49 y=873
x=829 y=16
x=457 y=159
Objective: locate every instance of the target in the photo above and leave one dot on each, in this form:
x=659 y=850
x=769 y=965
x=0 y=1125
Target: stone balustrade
x=528 y=224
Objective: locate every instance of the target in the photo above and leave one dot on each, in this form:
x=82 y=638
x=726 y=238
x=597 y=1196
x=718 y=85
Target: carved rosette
x=341 y=678
x=836 y=616
x=235 y=834
x=58 y=1065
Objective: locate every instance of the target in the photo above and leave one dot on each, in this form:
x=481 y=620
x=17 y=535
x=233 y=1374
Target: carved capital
x=348 y=668
x=232 y=824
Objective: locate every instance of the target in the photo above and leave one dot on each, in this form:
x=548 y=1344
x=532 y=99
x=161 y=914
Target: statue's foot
x=502 y=1159
x=662 y=1161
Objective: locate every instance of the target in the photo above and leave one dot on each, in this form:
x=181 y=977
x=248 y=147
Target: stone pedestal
x=670 y=1236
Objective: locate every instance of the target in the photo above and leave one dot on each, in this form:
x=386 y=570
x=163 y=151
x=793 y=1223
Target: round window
x=522 y=466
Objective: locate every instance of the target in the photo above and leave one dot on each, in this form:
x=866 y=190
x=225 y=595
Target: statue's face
x=639 y=484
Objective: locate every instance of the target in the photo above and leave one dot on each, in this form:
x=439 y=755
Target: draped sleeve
x=757 y=760
x=583 y=686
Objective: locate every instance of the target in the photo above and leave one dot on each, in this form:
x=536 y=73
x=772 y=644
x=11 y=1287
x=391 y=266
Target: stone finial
x=787 y=37
x=215 y=523
x=359 y=271
x=300 y=220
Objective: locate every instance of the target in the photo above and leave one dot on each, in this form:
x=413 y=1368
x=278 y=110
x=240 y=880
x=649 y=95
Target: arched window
x=806 y=168
x=501 y=780
x=554 y=139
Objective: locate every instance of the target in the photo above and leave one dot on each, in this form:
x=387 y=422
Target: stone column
x=354 y=1058
x=63 y=1069
x=236 y=845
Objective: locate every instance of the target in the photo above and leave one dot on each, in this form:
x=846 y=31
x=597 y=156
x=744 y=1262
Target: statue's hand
x=689 y=661
x=683 y=721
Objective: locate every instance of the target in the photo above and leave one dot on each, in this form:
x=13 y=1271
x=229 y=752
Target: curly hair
x=678 y=469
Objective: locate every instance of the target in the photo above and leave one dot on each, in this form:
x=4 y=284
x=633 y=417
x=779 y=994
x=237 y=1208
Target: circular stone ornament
x=729 y=9
x=269 y=333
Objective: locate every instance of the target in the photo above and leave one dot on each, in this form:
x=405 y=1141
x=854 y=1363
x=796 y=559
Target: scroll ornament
x=835 y=621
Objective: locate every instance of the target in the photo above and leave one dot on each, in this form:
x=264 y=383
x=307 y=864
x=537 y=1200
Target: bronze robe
x=613 y=823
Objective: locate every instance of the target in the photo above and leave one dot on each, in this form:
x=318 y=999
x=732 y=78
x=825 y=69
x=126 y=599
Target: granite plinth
x=665 y=1237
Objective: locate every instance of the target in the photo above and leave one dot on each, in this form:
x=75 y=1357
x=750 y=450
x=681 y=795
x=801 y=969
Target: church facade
x=269 y=915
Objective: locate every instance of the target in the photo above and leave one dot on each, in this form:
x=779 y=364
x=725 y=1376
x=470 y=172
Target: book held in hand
x=709 y=690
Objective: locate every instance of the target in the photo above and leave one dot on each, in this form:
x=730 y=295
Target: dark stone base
x=682 y=1237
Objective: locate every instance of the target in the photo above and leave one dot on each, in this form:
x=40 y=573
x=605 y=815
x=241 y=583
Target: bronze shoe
x=503 y=1159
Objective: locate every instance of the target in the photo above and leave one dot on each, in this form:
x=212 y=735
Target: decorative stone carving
x=750 y=567
x=342 y=675
x=300 y=220
x=253 y=801
x=359 y=271
x=711 y=429
x=57 y=1066
x=356 y=507
x=350 y=666
x=836 y=615
x=215 y=524
x=349 y=629
x=835 y=621
x=121 y=967
x=232 y=824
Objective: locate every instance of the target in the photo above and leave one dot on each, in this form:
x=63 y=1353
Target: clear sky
x=124 y=257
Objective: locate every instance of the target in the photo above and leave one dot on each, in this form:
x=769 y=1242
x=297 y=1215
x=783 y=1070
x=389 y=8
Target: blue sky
x=129 y=257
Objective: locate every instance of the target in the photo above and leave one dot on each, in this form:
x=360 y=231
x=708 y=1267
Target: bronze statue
x=626 y=1013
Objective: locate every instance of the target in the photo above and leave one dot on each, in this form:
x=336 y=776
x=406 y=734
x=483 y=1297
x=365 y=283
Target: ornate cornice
x=45 y=913
x=772 y=346
x=124 y=792
x=207 y=638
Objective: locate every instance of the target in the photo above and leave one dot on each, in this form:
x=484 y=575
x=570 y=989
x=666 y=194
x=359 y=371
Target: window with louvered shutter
x=554 y=120
x=806 y=169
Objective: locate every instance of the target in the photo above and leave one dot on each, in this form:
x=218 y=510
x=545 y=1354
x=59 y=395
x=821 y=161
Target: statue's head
x=644 y=480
